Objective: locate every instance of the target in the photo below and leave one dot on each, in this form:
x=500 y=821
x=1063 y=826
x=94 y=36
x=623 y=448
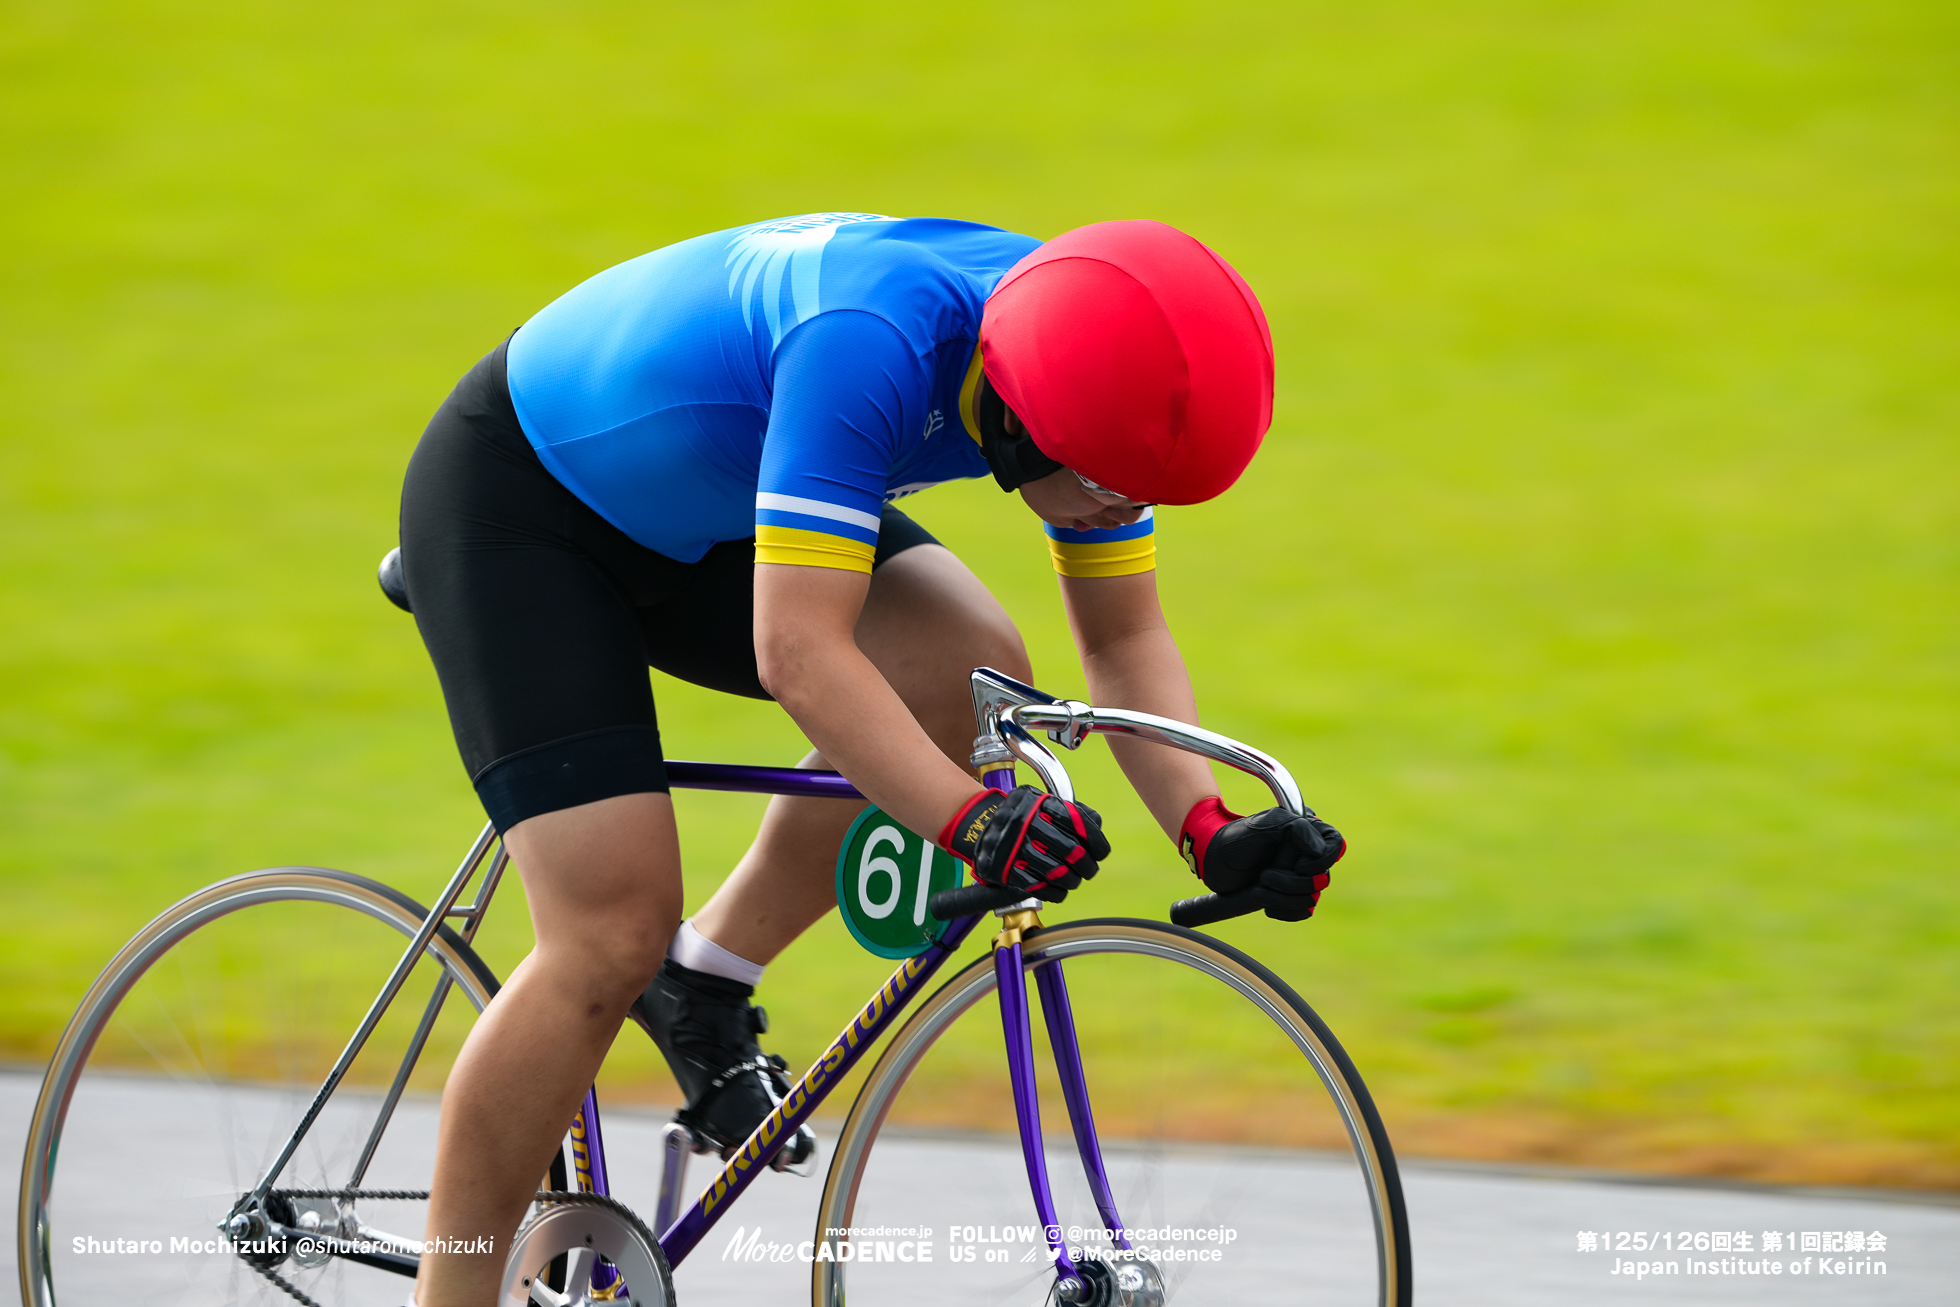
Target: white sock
x=697 y=952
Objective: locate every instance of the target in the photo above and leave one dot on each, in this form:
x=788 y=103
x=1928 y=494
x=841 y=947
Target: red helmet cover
x=1136 y=357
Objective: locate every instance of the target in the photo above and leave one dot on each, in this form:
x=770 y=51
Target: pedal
x=677 y=1142
x=796 y=1152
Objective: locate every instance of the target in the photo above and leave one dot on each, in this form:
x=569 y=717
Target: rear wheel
x=1245 y=1158
x=187 y=1067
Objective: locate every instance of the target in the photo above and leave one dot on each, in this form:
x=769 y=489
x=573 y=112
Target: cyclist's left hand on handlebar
x=1027 y=840
x=1282 y=859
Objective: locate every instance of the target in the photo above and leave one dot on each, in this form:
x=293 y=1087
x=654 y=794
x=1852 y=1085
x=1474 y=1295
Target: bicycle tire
x=1297 y=1219
x=232 y=1059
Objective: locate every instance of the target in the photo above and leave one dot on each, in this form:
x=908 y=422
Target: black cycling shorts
x=542 y=617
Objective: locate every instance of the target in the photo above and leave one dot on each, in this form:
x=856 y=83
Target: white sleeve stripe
x=816 y=508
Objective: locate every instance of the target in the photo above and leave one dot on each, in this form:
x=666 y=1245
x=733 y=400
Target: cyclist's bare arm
x=1131 y=661
x=807 y=654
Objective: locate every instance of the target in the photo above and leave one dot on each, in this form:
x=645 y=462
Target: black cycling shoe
x=706 y=1028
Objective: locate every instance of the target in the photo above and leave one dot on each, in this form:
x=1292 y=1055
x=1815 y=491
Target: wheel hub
x=1121 y=1284
x=254 y=1232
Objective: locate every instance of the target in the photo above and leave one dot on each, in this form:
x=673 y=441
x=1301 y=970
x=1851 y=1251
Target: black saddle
x=390 y=576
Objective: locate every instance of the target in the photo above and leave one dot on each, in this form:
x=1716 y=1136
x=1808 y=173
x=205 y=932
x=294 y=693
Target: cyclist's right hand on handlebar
x=1027 y=840
x=1279 y=861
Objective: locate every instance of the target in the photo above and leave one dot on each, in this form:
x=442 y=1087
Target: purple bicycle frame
x=864 y=1030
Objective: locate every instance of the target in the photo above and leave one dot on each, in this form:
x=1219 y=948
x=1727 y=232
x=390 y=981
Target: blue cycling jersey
x=782 y=380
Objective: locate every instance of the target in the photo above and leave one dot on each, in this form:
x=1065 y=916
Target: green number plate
x=885 y=874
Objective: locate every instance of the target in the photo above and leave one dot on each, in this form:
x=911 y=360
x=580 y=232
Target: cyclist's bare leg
x=604 y=887
x=927 y=622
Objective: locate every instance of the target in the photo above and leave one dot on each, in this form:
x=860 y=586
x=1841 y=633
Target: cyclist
x=690 y=462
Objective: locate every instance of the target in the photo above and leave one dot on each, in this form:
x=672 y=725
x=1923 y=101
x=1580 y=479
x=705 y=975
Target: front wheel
x=1244 y=1157
x=185 y=1070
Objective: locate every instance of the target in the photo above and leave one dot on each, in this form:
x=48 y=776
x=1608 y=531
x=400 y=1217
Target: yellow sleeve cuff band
x=1109 y=558
x=787 y=544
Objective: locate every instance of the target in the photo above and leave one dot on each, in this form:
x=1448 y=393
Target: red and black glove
x=1279 y=861
x=1027 y=840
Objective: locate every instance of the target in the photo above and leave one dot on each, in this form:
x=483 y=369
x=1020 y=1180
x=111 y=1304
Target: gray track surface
x=1481 y=1236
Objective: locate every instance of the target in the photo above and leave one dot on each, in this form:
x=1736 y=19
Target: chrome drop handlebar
x=1009 y=713
x=1068 y=723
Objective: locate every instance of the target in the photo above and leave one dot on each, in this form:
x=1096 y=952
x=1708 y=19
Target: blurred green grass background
x=1598 y=576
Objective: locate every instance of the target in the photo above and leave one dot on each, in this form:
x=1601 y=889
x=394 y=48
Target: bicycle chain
x=597 y=1200
x=273 y=1276
x=419 y=1195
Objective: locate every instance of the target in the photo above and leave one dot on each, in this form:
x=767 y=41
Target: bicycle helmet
x=1134 y=356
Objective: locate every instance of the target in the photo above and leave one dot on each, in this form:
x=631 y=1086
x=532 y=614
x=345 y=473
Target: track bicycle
x=295 y=1159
